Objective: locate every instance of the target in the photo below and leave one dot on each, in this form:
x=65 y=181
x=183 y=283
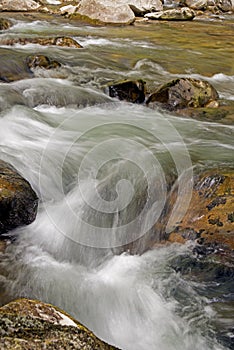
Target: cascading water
x=92 y=161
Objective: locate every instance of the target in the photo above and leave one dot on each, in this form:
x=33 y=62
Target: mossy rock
x=224 y=113
x=183 y=93
x=32 y=324
x=210 y=216
x=18 y=201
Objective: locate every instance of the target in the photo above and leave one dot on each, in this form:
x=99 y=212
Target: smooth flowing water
x=91 y=160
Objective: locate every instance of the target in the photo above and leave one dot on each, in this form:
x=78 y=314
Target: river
x=88 y=157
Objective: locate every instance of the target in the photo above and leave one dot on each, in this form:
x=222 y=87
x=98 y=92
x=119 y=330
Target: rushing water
x=90 y=160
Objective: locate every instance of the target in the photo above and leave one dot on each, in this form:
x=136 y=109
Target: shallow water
x=92 y=159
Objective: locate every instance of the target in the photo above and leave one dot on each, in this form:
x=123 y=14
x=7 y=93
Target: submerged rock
x=18 y=201
x=18 y=5
x=179 y=14
x=5 y=23
x=183 y=93
x=10 y=97
x=131 y=91
x=210 y=216
x=12 y=67
x=56 y=93
x=31 y=324
x=41 y=61
x=106 y=11
x=58 y=41
x=212 y=113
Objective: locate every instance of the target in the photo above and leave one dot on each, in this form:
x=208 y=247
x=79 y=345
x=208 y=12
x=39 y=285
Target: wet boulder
x=5 y=23
x=41 y=61
x=32 y=324
x=182 y=93
x=210 y=215
x=18 y=5
x=127 y=90
x=177 y=14
x=58 y=41
x=18 y=201
x=105 y=12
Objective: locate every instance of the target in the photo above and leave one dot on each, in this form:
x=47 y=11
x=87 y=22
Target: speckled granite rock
x=31 y=324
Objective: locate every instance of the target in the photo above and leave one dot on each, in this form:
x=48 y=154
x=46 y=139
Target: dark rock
x=5 y=23
x=182 y=93
x=18 y=201
x=41 y=61
x=32 y=324
x=131 y=91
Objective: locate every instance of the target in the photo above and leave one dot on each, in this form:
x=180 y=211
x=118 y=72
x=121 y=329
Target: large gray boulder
x=18 y=5
x=105 y=11
x=141 y=7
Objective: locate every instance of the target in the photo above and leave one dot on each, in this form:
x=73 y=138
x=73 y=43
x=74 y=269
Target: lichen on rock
x=32 y=324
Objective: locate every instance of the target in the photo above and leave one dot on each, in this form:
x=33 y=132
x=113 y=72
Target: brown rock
x=210 y=215
x=127 y=90
x=5 y=23
x=41 y=61
x=18 y=201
